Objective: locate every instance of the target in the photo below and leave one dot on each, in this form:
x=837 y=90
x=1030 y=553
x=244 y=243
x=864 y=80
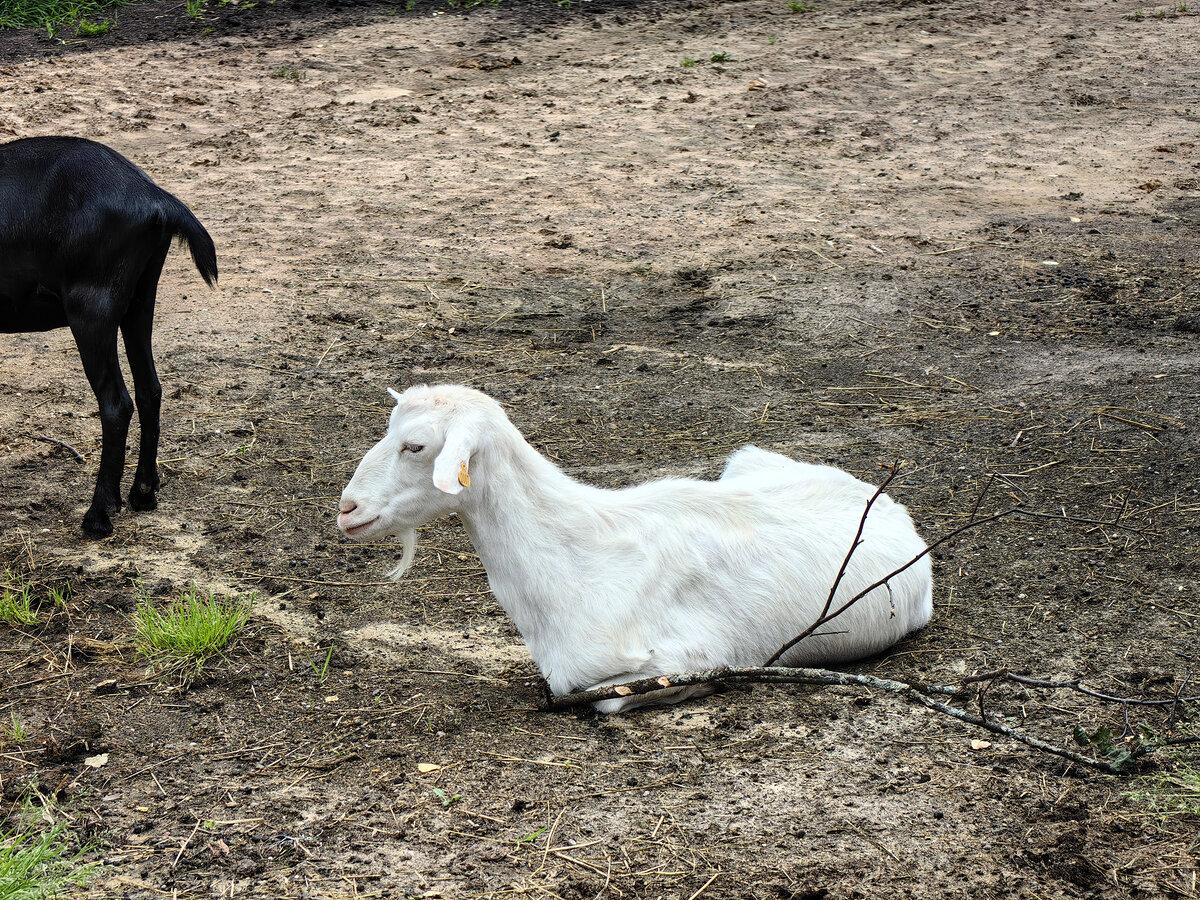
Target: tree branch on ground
x=922 y=694
x=49 y=440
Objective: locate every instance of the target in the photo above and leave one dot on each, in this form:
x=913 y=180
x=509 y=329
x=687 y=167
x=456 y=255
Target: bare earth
x=959 y=234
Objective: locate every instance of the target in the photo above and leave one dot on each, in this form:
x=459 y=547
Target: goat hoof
x=142 y=502
x=97 y=525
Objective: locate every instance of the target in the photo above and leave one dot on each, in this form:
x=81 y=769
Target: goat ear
x=395 y=395
x=450 y=473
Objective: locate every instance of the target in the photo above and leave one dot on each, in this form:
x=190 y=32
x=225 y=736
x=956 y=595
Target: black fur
x=83 y=236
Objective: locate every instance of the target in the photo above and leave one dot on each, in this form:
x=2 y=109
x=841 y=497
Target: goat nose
x=347 y=506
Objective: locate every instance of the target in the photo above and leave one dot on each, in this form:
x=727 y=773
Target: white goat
x=671 y=576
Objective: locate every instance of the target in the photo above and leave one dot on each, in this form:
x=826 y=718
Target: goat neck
x=537 y=532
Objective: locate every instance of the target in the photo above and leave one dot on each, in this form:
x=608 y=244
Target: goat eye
x=412 y=448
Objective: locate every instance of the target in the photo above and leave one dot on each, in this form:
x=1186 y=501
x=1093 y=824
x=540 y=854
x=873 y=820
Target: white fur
x=671 y=576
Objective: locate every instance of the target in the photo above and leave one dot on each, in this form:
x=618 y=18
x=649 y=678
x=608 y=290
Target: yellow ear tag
x=463 y=478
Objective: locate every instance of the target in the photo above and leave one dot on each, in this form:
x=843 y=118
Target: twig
x=1074 y=685
x=1171 y=719
x=974 y=523
x=915 y=692
x=608 y=874
x=49 y=440
x=704 y=886
x=1080 y=520
x=824 y=616
x=550 y=839
x=862 y=522
x=982 y=494
x=185 y=843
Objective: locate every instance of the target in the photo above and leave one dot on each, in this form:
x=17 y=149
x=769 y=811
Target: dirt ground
x=959 y=234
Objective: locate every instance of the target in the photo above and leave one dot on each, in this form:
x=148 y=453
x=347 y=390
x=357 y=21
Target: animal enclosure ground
x=959 y=234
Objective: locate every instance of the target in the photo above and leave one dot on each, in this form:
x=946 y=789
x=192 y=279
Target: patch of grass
x=39 y=862
x=688 y=62
x=13 y=733
x=322 y=671
x=22 y=601
x=291 y=73
x=16 y=601
x=532 y=836
x=59 y=595
x=53 y=15
x=800 y=6
x=720 y=57
x=1172 y=795
x=447 y=798
x=84 y=28
x=1175 y=794
x=194 y=628
x=195 y=8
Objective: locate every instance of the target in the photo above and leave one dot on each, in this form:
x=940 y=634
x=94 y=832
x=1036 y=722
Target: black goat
x=83 y=237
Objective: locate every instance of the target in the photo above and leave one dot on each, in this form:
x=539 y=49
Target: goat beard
x=409 y=538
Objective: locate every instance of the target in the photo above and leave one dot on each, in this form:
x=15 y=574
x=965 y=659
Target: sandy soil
x=960 y=234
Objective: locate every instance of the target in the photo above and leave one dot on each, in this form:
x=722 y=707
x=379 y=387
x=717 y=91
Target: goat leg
x=97 y=342
x=136 y=330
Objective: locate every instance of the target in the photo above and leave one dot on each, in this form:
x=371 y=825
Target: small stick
x=607 y=858
x=185 y=844
x=1074 y=685
x=332 y=344
x=49 y=440
x=1079 y=519
x=974 y=523
x=982 y=494
x=550 y=836
x=704 y=886
x=862 y=522
x=918 y=693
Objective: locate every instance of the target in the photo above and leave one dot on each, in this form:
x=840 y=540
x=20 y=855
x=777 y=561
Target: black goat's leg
x=137 y=329
x=95 y=330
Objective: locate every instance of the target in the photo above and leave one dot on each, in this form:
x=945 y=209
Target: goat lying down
x=671 y=576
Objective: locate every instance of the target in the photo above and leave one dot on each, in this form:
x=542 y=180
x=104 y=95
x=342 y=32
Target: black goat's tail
x=187 y=227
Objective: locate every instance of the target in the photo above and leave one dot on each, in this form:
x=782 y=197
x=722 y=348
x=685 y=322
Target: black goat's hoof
x=142 y=502
x=97 y=525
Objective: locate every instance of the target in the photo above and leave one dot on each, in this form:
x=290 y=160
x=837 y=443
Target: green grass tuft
x=53 y=15
x=23 y=603
x=36 y=863
x=84 y=28
x=1175 y=794
x=16 y=602
x=192 y=630
x=15 y=733
x=1171 y=795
